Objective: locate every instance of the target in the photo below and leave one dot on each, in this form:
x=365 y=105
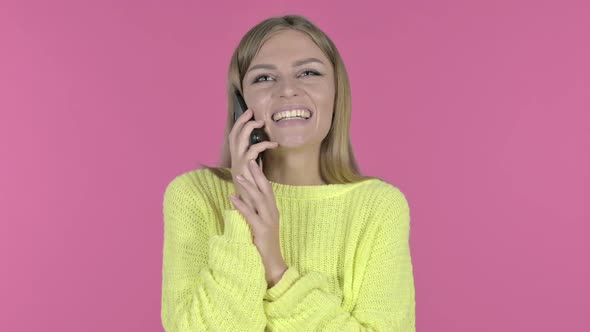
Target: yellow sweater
x=346 y=245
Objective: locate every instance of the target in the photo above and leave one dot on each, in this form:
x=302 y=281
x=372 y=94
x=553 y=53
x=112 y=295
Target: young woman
x=302 y=242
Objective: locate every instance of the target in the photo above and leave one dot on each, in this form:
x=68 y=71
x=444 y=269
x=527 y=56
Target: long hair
x=337 y=161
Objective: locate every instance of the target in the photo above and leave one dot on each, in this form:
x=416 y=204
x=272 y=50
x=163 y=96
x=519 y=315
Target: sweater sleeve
x=386 y=302
x=209 y=282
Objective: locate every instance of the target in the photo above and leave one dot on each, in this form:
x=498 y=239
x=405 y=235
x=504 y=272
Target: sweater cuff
x=236 y=228
x=287 y=280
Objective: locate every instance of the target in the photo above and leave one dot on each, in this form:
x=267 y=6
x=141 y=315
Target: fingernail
x=252 y=162
x=240 y=178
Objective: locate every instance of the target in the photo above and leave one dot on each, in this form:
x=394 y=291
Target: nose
x=288 y=88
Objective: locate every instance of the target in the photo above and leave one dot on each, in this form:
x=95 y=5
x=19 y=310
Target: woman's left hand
x=264 y=222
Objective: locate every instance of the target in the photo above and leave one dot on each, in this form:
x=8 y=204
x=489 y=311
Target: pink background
x=479 y=111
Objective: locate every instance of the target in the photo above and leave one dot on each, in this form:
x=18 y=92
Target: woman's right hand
x=239 y=139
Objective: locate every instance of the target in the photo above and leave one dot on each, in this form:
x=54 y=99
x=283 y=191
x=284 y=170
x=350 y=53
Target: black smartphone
x=258 y=134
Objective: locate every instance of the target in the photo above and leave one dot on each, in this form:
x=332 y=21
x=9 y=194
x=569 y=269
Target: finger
x=267 y=201
x=253 y=191
x=245 y=195
x=248 y=173
x=243 y=139
x=250 y=191
x=260 y=179
x=244 y=209
x=257 y=148
x=237 y=127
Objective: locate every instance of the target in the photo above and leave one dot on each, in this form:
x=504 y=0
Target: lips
x=291 y=107
x=291 y=123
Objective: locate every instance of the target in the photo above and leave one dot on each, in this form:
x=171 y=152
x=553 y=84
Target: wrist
x=276 y=275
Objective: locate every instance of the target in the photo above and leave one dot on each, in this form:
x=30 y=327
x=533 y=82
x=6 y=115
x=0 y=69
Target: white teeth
x=291 y=114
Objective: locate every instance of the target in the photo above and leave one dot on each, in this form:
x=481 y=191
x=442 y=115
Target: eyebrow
x=295 y=64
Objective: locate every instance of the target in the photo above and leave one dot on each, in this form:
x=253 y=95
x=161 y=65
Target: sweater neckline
x=313 y=191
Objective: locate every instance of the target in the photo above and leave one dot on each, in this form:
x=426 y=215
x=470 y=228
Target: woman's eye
x=266 y=78
x=257 y=79
x=315 y=73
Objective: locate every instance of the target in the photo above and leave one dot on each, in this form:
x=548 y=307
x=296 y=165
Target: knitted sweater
x=346 y=247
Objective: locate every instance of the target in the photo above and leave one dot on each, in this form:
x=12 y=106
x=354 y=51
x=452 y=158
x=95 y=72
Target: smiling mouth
x=300 y=115
x=291 y=118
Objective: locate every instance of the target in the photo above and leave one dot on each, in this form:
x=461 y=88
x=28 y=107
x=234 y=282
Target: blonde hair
x=337 y=161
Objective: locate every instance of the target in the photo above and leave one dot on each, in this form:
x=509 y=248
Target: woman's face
x=291 y=71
